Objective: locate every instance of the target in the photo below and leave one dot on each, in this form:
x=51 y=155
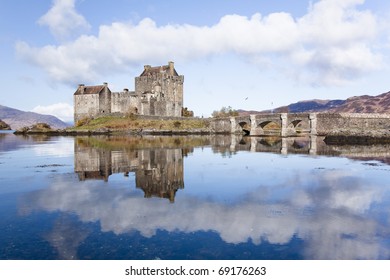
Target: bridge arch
x=270 y=127
x=246 y=128
x=295 y=123
x=283 y=124
x=298 y=126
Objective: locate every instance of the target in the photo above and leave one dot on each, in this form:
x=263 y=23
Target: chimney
x=105 y=87
x=171 y=68
x=81 y=88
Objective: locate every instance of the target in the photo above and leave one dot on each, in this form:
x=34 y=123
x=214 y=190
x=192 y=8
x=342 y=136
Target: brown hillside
x=365 y=104
x=357 y=104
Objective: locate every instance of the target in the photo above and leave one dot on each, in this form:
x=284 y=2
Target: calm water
x=192 y=198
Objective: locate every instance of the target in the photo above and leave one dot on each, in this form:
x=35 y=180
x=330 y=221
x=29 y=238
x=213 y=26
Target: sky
x=247 y=54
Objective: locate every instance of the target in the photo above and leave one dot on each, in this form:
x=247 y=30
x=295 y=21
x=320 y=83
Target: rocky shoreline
x=331 y=139
x=105 y=131
x=347 y=137
x=358 y=138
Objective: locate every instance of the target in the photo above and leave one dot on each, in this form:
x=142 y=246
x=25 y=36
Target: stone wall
x=85 y=106
x=125 y=102
x=105 y=101
x=222 y=125
x=350 y=123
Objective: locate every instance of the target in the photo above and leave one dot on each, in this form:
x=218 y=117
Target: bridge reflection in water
x=157 y=162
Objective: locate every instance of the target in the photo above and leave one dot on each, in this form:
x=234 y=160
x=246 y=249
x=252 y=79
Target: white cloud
x=330 y=45
x=63 y=19
x=63 y=111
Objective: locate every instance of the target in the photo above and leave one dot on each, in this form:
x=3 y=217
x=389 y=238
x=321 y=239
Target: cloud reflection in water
x=328 y=210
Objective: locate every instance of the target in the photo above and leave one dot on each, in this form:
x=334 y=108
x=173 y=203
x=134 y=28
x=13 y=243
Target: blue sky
x=246 y=54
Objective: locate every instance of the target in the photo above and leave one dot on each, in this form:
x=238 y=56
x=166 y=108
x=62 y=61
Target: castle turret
x=171 y=68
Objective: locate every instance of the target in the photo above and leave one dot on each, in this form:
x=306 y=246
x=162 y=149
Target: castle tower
x=160 y=90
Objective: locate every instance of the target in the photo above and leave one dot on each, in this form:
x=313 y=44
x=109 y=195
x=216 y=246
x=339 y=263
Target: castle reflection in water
x=158 y=171
x=157 y=162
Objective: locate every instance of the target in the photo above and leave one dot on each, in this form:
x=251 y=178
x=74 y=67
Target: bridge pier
x=233 y=125
x=253 y=144
x=253 y=124
x=313 y=123
x=313 y=145
x=283 y=117
x=233 y=144
x=284 y=149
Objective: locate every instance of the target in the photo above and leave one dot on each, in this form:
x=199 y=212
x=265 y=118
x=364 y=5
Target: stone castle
x=158 y=92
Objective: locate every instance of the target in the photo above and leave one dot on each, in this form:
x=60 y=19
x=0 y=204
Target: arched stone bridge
x=296 y=124
x=282 y=124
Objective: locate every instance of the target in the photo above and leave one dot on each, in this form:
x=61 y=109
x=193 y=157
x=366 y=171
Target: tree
x=225 y=112
x=186 y=113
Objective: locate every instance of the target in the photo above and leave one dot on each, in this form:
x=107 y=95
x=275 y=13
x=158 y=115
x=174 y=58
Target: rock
x=41 y=126
x=4 y=126
x=38 y=128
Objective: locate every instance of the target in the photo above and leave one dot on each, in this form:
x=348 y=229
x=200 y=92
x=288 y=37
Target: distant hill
x=17 y=119
x=365 y=104
x=356 y=104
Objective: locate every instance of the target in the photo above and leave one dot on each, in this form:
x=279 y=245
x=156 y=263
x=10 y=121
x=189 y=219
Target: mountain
x=365 y=104
x=356 y=104
x=315 y=105
x=17 y=119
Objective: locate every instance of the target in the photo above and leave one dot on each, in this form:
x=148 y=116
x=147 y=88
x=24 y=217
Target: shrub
x=83 y=121
x=177 y=124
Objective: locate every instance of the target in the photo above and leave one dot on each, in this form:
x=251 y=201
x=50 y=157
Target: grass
x=136 y=123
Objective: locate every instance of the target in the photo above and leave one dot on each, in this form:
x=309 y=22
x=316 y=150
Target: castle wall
x=125 y=102
x=161 y=108
x=85 y=106
x=173 y=89
x=145 y=108
x=105 y=101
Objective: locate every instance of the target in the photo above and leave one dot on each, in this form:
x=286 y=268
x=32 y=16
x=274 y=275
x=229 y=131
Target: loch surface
x=192 y=197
